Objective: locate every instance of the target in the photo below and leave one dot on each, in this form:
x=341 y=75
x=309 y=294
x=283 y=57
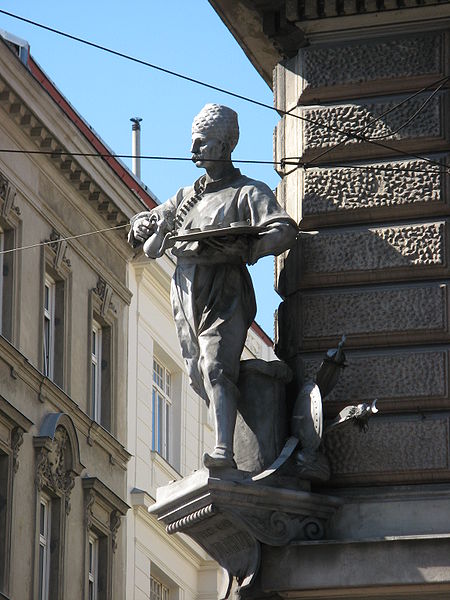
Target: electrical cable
x=348 y=134
x=58 y=241
x=289 y=161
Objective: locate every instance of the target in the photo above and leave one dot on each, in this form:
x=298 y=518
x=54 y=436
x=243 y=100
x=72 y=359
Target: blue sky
x=187 y=37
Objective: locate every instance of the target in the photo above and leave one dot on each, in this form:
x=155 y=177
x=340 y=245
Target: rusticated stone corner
x=401 y=380
x=408 y=449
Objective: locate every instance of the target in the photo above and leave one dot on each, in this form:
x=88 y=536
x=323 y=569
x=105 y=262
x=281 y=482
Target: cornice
x=47 y=391
x=46 y=126
x=108 y=497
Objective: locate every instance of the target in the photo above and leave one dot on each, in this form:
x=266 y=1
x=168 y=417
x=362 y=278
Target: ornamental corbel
x=16 y=442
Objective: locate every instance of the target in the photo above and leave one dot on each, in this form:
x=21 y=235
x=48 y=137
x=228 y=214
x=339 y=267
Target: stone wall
x=377 y=266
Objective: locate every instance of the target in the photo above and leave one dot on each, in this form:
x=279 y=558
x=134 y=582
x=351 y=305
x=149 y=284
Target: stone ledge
x=400 y=567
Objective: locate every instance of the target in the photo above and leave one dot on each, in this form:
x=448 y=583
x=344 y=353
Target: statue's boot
x=224 y=407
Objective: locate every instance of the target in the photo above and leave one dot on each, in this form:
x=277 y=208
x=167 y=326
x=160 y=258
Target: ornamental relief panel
x=53 y=467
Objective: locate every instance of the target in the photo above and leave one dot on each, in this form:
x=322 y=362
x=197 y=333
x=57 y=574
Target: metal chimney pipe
x=136 y=146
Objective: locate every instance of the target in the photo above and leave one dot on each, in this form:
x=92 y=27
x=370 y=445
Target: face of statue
x=207 y=151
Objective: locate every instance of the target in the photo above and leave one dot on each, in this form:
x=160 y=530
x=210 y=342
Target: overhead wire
x=63 y=239
x=286 y=161
x=291 y=161
x=348 y=134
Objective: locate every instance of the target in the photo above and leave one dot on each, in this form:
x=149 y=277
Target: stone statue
x=215 y=227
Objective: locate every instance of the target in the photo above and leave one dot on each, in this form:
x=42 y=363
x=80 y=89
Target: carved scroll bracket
x=231 y=519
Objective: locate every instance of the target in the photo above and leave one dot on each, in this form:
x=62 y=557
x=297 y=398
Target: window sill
x=166 y=467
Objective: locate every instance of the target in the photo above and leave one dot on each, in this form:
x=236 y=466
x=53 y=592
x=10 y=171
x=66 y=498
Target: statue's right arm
x=144 y=224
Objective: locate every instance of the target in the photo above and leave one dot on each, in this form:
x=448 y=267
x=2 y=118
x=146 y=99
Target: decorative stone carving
x=105 y=292
x=408 y=449
x=53 y=468
x=305 y=10
x=57 y=456
x=59 y=246
x=342 y=190
x=361 y=62
x=88 y=504
x=401 y=380
x=16 y=442
x=231 y=521
x=419 y=309
x=114 y=524
x=357 y=116
x=7 y=194
x=375 y=249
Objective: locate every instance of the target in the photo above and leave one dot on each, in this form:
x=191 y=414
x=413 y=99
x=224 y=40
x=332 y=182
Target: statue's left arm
x=278 y=237
x=280 y=230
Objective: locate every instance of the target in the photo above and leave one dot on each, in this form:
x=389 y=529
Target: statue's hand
x=143 y=228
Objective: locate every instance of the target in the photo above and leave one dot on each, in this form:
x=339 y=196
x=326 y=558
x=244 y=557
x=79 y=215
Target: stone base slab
x=231 y=518
x=398 y=567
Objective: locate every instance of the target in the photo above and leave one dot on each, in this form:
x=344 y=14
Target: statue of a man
x=212 y=295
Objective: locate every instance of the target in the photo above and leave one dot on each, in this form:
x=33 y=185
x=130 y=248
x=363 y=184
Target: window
x=5 y=507
x=7 y=290
x=93 y=567
x=49 y=326
x=161 y=404
x=158 y=591
x=2 y=248
x=100 y=366
x=44 y=547
x=96 y=375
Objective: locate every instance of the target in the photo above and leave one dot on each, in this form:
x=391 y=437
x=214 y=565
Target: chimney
x=136 y=146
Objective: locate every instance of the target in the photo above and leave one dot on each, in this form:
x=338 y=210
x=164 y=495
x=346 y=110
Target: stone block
x=402 y=449
x=346 y=194
x=399 y=567
x=401 y=380
x=381 y=66
x=326 y=125
x=375 y=316
x=364 y=254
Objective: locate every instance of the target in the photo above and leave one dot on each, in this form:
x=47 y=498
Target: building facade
x=95 y=407
x=366 y=88
x=169 y=428
x=63 y=345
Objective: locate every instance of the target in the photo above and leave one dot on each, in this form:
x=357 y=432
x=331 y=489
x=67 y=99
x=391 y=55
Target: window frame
x=48 y=316
x=107 y=320
x=96 y=370
x=45 y=543
x=93 y=543
x=164 y=590
x=161 y=419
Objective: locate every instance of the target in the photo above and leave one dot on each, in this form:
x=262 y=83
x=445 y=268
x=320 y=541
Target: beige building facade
x=169 y=428
x=96 y=410
x=63 y=348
